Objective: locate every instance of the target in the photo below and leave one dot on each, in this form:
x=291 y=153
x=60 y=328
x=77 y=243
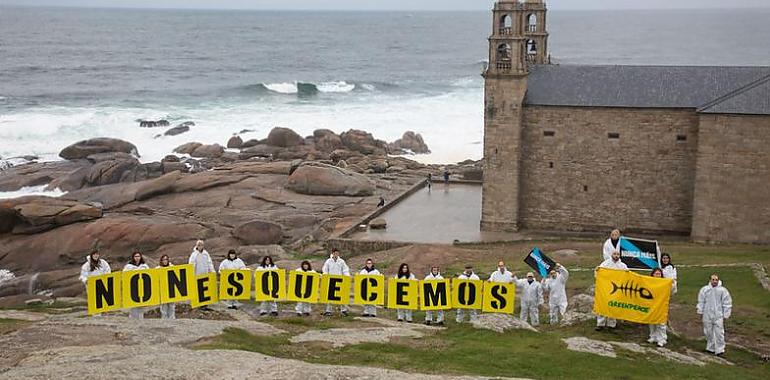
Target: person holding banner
x=404 y=274
x=95 y=265
x=167 y=310
x=460 y=313
x=715 y=305
x=136 y=263
x=501 y=274
x=531 y=298
x=658 y=332
x=304 y=308
x=336 y=265
x=669 y=271
x=612 y=263
x=369 y=269
x=201 y=260
x=268 y=306
x=611 y=245
x=232 y=262
x=434 y=275
x=556 y=285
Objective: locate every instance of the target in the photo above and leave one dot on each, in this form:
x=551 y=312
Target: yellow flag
x=176 y=283
x=402 y=294
x=104 y=292
x=335 y=289
x=141 y=288
x=270 y=285
x=303 y=286
x=205 y=290
x=235 y=284
x=632 y=297
x=435 y=295
x=498 y=297
x=369 y=290
x=466 y=294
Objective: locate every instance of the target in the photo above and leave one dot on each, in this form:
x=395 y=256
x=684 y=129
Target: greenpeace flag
x=639 y=253
x=625 y=295
x=541 y=263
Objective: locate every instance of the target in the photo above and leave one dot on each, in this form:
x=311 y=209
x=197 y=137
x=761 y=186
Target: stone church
x=682 y=150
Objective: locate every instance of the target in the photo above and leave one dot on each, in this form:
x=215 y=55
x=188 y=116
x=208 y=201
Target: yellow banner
x=235 y=284
x=176 y=283
x=632 y=297
x=435 y=295
x=498 y=297
x=369 y=290
x=303 y=286
x=335 y=289
x=104 y=293
x=205 y=290
x=140 y=288
x=466 y=294
x=270 y=285
x=402 y=294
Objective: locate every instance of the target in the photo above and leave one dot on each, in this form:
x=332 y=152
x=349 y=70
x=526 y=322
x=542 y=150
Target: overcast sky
x=394 y=4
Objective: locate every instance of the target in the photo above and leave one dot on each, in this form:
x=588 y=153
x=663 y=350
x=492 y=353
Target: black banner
x=639 y=253
x=541 y=263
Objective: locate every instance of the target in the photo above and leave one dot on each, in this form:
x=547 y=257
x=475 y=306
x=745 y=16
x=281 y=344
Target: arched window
x=506 y=24
x=532 y=23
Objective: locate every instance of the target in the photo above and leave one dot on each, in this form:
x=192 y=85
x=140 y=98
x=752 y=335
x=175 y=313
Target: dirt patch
x=184 y=311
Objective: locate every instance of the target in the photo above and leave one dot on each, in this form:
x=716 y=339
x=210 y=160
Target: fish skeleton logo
x=630 y=288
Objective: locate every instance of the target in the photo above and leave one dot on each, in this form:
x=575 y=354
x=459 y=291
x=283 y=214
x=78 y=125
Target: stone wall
x=732 y=187
x=586 y=168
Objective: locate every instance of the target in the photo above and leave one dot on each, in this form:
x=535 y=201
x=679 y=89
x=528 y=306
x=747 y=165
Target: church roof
x=708 y=89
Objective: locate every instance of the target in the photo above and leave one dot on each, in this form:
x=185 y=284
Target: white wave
x=341 y=86
x=6 y=275
x=283 y=88
x=32 y=190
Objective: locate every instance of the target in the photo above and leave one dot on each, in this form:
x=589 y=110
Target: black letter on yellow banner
x=146 y=288
x=435 y=295
x=234 y=279
x=335 y=285
x=206 y=294
x=466 y=294
x=104 y=292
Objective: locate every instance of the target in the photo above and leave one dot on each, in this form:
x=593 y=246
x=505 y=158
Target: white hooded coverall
x=201 y=261
x=135 y=312
x=659 y=333
x=715 y=304
x=405 y=314
x=303 y=307
x=429 y=313
x=601 y=320
x=268 y=306
x=167 y=310
x=531 y=298
x=557 y=295
x=460 y=313
x=370 y=309
x=228 y=264
x=336 y=267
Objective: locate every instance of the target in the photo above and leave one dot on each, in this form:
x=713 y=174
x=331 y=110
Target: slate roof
x=708 y=89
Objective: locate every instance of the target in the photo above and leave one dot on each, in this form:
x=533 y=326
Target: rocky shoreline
x=282 y=193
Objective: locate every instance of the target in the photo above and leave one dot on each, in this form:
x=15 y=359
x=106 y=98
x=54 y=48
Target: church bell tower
x=519 y=39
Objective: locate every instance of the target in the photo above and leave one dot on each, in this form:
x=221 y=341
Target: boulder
x=321 y=133
x=258 y=232
x=72 y=181
x=591 y=346
x=108 y=172
x=343 y=154
x=322 y=179
x=409 y=142
x=36 y=214
x=85 y=148
x=326 y=140
x=363 y=142
x=259 y=150
x=378 y=165
x=208 y=151
x=153 y=123
x=159 y=186
x=178 y=130
x=187 y=148
x=235 y=142
x=500 y=322
x=284 y=137
x=378 y=224
x=250 y=143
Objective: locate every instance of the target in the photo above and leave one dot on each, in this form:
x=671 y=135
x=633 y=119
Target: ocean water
x=70 y=74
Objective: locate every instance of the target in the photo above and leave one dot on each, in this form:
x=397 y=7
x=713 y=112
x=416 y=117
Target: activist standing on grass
x=404 y=274
x=167 y=310
x=612 y=263
x=658 y=333
x=669 y=271
x=95 y=265
x=136 y=263
x=611 y=245
x=335 y=265
x=460 y=313
x=268 y=306
x=556 y=285
x=201 y=260
x=531 y=298
x=370 y=270
x=232 y=262
x=304 y=308
x=501 y=274
x=715 y=304
x=434 y=275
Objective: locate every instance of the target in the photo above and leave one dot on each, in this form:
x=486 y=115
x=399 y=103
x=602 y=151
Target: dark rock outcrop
x=409 y=142
x=284 y=137
x=85 y=148
x=363 y=142
x=257 y=232
x=321 y=179
x=28 y=215
x=235 y=142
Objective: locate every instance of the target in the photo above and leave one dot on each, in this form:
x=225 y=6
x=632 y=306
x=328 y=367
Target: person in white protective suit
x=95 y=265
x=612 y=263
x=232 y=262
x=473 y=313
x=715 y=305
x=335 y=265
x=669 y=270
x=370 y=270
x=136 y=263
x=556 y=285
x=167 y=310
x=201 y=260
x=501 y=274
x=659 y=333
x=304 y=308
x=612 y=244
x=434 y=275
x=404 y=274
x=268 y=306
x=531 y=298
